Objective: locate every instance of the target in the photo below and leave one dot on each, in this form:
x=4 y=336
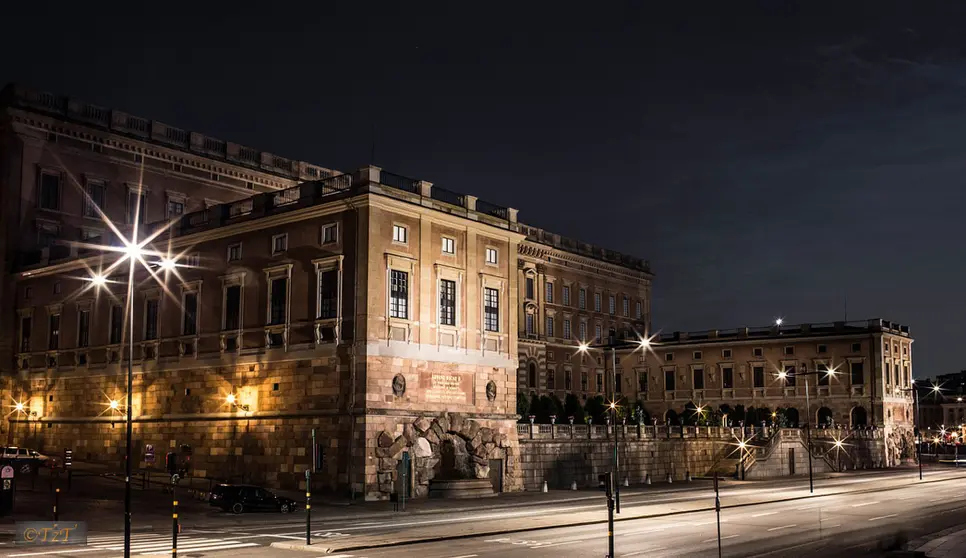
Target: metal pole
x=610 y=516
x=56 y=501
x=308 y=507
x=808 y=436
x=915 y=394
x=717 y=510
x=617 y=475
x=174 y=516
x=130 y=403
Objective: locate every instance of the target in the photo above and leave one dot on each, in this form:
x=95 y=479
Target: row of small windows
x=856 y=377
x=400 y=235
x=759 y=352
x=95 y=199
x=399 y=301
x=582 y=299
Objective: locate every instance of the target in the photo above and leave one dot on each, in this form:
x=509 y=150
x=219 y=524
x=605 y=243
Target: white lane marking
x=863 y=504
x=339 y=556
x=938 y=499
x=807 y=508
x=830 y=526
x=639 y=552
x=467 y=556
x=763 y=514
x=75 y=551
x=783 y=527
x=883 y=517
x=709 y=522
x=722 y=538
x=201 y=548
x=956 y=509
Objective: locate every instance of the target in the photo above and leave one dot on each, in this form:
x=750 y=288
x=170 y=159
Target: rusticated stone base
x=461 y=488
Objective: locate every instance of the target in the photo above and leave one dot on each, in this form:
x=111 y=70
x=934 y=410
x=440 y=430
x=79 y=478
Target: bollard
x=627 y=482
x=573 y=485
x=544 y=486
x=687 y=476
x=647 y=479
x=56 y=501
x=669 y=480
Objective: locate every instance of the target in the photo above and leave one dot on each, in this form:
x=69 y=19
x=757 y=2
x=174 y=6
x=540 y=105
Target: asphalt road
x=847 y=524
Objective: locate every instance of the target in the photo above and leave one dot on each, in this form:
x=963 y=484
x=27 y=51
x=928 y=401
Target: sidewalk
x=950 y=543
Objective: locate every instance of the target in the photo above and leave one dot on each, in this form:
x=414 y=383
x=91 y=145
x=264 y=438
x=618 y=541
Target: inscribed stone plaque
x=446 y=387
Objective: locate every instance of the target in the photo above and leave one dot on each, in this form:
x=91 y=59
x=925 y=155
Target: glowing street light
x=114 y=404
x=19 y=407
x=779 y=321
x=230 y=398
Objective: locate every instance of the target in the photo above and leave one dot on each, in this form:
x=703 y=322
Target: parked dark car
x=238 y=498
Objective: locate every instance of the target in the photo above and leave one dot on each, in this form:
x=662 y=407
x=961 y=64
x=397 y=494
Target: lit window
x=330 y=234
x=279 y=243
x=491 y=256
x=449 y=245
x=277 y=300
x=399 y=234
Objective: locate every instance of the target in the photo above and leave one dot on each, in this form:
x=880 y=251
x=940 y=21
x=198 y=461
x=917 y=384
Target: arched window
x=859 y=417
x=824 y=417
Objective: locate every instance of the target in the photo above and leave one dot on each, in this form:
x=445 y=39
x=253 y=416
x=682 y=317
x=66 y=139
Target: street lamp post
x=808 y=412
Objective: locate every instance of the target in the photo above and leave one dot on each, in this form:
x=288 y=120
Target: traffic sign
x=6 y=472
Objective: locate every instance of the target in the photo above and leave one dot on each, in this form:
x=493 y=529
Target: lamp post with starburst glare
x=135 y=253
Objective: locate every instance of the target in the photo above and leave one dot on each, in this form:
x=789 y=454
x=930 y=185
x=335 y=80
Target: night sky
x=770 y=158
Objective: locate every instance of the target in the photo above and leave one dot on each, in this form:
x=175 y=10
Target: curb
x=351 y=548
x=299 y=546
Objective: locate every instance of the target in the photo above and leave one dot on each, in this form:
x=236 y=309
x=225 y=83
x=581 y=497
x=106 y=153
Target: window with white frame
x=637 y=310
x=565 y=295
x=529 y=323
x=491 y=256
x=583 y=331
x=329 y=279
x=175 y=207
x=598 y=333
x=491 y=309
x=231 y=316
x=627 y=307
x=235 y=252
x=189 y=312
x=566 y=329
x=596 y=302
x=398 y=294
x=330 y=233
x=136 y=205
x=612 y=304
x=449 y=245
x=279 y=243
x=83 y=327
x=549 y=289
x=582 y=299
x=400 y=234
x=447 y=302
x=549 y=326
x=53 y=332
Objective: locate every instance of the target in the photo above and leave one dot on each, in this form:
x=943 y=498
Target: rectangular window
x=612 y=304
x=758 y=352
x=582 y=299
x=699 y=378
x=696 y=355
x=618 y=382
x=566 y=329
x=529 y=324
x=856 y=373
x=190 y=310
x=136 y=208
x=84 y=328
x=789 y=351
x=25 y=324
x=151 y=320
x=279 y=243
x=789 y=376
x=175 y=207
x=96 y=195
x=600 y=383
x=328 y=294
x=856 y=347
x=447 y=302
x=491 y=309
x=568 y=379
x=50 y=190
x=117 y=324
x=449 y=245
x=728 y=377
x=400 y=234
x=888 y=372
x=598 y=333
x=491 y=256
x=669 y=380
x=583 y=381
x=549 y=332
x=398 y=294
x=642 y=382
x=822 y=349
x=549 y=292
x=529 y=288
x=330 y=234
x=565 y=295
x=626 y=307
x=758 y=373
x=725 y=353
x=551 y=380
x=596 y=302
x=583 y=331
x=234 y=252
x=277 y=303
x=637 y=310
x=233 y=307
x=53 y=333
x=823 y=377
x=668 y=357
